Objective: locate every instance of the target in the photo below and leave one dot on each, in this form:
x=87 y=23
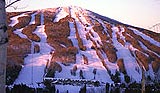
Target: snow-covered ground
x=19 y=33
x=35 y=63
x=94 y=61
x=61 y=13
x=33 y=70
x=129 y=60
x=70 y=88
x=15 y=19
x=76 y=89
x=146 y=37
x=33 y=18
x=73 y=34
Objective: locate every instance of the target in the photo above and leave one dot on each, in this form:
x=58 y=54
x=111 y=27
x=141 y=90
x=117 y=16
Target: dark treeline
x=132 y=88
x=110 y=88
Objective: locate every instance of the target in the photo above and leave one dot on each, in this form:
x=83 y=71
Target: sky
x=141 y=13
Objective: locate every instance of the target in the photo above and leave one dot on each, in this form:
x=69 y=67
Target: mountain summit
x=77 y=44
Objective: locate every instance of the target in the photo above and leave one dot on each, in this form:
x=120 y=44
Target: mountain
x=73 y=44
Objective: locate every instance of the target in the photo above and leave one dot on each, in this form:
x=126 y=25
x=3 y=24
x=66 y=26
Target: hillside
x=74 y=43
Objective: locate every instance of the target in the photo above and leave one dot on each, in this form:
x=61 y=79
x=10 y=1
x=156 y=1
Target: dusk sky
x=141 y=13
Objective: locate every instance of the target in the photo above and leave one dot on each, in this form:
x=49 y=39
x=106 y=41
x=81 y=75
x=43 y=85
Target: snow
x=76 y=89
x=19 y=33
x=73 y=34
x=130 y=47
x=120 y=33
x=103 y=25
x=82 y=29
x=103 y=76
x=35 y=63
x=91 y=55
x=129 y=61
x=100 y=89
x=82 y=18
x=63 y=45
x=112 y=66
x=42 y=18
x=40 y=31
x=96 y=38
x=93 y=59
x=79 y=58
x=72 y=12
x=150 y=72
x=87 y=70
x=15 y=19
x=151 y=40
x=33 y=70
x=61 y=13
x=145 y=48
x=66 y=72
x=157 y=76
x=44 y=47
x=70 y=88
x=33 y=18
x=82 y=34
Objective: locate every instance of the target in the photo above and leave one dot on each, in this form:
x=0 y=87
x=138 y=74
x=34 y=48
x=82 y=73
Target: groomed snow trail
x=129 y=60
x=34 y=64
x=94 y=61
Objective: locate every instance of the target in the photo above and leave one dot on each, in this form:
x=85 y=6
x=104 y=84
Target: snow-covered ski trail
x=90 y=54
x=129 y=62
x=35 y=63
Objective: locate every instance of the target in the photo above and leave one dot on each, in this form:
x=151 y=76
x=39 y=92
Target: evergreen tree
x=127 y=78
x=57 y=91
x=94 y=72
x=107 y=87
x=52 y=89
x=81 y=74
x=117 y=90
x=83 y=89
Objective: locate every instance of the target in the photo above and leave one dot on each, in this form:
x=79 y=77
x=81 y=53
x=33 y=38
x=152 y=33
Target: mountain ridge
x=71 y=42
